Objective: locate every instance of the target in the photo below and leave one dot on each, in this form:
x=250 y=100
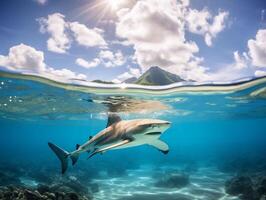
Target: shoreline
x=128 y=89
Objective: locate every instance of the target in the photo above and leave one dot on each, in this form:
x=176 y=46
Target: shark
x=118 y=134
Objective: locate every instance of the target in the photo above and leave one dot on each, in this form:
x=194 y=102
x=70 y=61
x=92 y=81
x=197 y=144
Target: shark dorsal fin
x=112 y=118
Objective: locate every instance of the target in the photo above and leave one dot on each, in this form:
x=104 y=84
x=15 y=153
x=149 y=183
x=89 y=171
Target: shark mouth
x=154 y=133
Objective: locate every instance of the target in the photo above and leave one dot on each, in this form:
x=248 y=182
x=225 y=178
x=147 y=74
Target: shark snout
x=162 y=126
x=166 y=125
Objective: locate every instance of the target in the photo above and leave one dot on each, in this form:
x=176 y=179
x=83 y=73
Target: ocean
x=216 y=140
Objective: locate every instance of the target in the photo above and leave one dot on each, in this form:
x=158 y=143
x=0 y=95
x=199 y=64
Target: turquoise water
x=214 y=136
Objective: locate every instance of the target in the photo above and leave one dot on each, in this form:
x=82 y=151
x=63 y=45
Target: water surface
x=217 y=132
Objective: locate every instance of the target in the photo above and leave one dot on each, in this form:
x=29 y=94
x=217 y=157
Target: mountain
x=153 y=76
x=104 y=82
x=157 y=76
x=130 y=80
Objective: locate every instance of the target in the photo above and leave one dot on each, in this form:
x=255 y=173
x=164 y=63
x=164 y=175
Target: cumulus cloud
x=230 y=72
x=133 y=72
x=23 y=58
x=255 y=58
x=259 y=73
x=112 y=59
x=199 y=22
x=257 y=49
x=124 y=76
x=63 y=73
x=246 y=64
x=156 y=29
x=105 y=57
x=26 y=59
x=56 y=27
x=86 y=36
x=84 y=63
x=61 y=32
x=241 y=61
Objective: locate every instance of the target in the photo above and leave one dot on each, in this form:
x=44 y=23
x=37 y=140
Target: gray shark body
x=118 y=134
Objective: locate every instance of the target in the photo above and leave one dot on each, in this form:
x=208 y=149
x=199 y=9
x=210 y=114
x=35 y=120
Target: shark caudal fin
x=62 y=156
x=74 y=157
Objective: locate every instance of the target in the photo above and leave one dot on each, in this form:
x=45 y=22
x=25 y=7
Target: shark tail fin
x=74 y=157
x=62 y=156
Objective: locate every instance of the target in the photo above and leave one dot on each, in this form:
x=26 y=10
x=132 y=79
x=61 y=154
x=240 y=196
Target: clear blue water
x=213 y=137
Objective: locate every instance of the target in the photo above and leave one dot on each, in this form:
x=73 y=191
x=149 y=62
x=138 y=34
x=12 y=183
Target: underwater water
x=217 y=140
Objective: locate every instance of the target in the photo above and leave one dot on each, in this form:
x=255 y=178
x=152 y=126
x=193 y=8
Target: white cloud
x=105 y=57
x=55 y=26
x=84 y=63
x=123 y=43
x=23 y=58
x=241 y=61
x=250 y=63
x=41 y=2
x=63 y=73
x=230 y=73
x=26 y=59
x=218 y=24
x=116 y=81
x=198 y=22
x=106 y=54
x=112 y=59
x=257 y=49
x=156 y=29
x=124 y=76
x=133 y=72
x=61 y=31
x=259 y=73
x=255 y=57
x=86 y=36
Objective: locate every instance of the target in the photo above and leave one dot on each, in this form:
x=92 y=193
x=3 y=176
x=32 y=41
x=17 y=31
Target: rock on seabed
x=42 y=193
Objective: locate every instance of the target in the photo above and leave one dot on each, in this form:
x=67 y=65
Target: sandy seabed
x=205 y=184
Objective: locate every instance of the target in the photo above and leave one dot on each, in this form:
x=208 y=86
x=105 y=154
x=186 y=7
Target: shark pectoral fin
x=95 y=151
x=160 y=145
x=102 y=150
x=123 y=142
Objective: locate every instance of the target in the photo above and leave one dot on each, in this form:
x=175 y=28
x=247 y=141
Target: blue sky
x=114 y=40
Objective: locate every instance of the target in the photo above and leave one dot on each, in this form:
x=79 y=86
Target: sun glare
x=102 y=9
x=115 y=4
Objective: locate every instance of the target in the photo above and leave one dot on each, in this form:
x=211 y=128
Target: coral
x=42 y=193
